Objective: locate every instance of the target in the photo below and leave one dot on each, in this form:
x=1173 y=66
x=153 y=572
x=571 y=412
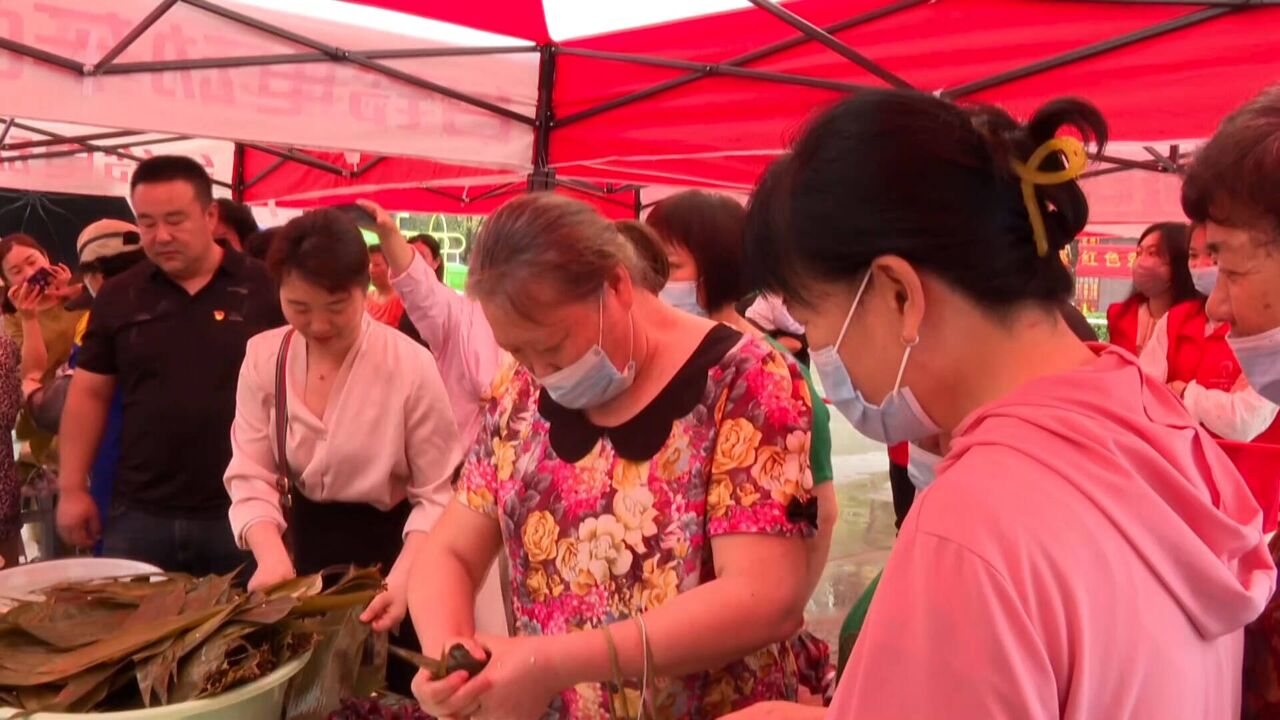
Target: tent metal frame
x=544 y=120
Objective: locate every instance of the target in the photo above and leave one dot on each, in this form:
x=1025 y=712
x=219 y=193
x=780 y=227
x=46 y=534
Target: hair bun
x=1062 y=206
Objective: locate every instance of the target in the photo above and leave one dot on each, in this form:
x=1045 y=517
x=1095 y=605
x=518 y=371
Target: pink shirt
x=387 y=432
x=456 y=330
x=1086 y=552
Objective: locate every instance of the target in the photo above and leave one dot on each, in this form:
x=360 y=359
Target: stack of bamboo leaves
x=163 y=639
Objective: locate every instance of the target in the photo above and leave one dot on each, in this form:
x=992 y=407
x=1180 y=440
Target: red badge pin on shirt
x=219 y=315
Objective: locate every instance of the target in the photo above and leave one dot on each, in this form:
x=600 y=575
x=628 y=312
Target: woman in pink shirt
x=370 y=444
x=1086 y=550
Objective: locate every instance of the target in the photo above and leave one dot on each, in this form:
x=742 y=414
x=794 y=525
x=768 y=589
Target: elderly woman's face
x=552 y=335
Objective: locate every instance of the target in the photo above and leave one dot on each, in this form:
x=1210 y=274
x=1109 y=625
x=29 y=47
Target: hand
x=456 y=696
x=1178 y=387
x=387 y=609
x=520 y=677
x=777 y=710
x=26 y=298
x=78 y=521
x=271 y=571
x=61 y=286
x=384 y=224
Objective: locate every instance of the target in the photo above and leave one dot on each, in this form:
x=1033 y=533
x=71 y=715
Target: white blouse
x=387 y=433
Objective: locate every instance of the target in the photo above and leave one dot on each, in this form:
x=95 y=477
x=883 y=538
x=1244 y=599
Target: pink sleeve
x=432 y=445
x=761 y=461
x=945 y=638
x=251 y=476
x=453 y=327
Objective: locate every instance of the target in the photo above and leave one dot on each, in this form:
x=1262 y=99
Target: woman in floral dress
x=645 y=472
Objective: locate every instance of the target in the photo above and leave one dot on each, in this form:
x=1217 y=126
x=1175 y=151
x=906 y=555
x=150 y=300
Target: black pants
x=328 y=534
x=196 y=546
x=904 y=492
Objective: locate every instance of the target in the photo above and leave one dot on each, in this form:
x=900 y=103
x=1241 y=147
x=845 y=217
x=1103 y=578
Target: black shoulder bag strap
x=284 y=479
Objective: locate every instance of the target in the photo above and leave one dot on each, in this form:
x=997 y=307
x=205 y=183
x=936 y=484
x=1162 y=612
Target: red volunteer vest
x=1209 y=361
x=1188 y=347
x=1122 y=323
x=1260 y=466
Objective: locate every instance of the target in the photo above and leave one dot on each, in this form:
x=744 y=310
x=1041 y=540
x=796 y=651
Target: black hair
x=1175 y=241
x=649 y=247
x=14 y=240
x=375 y=249
x=430 y=242
x=324 y=247
x=112 y=265
x=6 y=246
x=167 y=168
x=710 y=226
x=239 y=217
x=1234 y=179
x=895 y=172
x=258 y=244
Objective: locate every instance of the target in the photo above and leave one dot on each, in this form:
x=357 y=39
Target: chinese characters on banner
x=1106 y=261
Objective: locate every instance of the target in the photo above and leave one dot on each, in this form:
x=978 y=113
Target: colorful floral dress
x=602 y=524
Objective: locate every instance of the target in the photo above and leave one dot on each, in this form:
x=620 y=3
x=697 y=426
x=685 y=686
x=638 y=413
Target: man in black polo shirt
x=171 y=334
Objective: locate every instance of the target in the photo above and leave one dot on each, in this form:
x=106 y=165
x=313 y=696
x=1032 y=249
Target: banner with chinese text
x=1106 y=261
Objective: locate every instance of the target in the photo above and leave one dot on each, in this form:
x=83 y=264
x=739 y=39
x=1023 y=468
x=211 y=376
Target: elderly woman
x=636 y=465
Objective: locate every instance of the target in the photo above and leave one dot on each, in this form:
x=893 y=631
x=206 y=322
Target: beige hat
x=106 y=238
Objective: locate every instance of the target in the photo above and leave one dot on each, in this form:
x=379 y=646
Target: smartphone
x=41 y=278
x=358 y=214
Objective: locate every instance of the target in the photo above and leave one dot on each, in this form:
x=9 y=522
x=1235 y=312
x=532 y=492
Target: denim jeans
x=197 y=547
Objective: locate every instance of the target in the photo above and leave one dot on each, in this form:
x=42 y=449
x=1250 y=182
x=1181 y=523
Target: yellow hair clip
x=1032 y=175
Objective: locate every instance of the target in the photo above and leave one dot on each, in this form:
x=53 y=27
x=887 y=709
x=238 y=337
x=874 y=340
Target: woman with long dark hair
x=1161 y=282
x=1079 y=521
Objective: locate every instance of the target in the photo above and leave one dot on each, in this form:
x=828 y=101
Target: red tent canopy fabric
x=719 y=131
x=704 y=102
x=516 y=18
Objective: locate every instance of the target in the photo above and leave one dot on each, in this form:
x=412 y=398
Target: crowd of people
x=621 y=415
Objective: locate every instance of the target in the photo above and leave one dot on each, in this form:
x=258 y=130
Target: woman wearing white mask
x=1080 y=522
x=1189 y=350
x=636 y=465
x=1160 y=284
x=703 y=234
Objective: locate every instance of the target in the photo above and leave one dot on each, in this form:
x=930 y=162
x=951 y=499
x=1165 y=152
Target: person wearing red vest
x=1160 y=282
x=1189 y=350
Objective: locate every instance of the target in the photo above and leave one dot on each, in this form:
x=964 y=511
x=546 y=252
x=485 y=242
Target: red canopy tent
x=707 y=101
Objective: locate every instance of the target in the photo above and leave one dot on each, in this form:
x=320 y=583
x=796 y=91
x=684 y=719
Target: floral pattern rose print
x=600 y=540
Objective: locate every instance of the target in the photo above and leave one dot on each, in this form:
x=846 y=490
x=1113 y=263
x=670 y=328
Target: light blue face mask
x=922 y=467
x=1259 y=358
x=898 y=419
x=682 y=295
x=592 y=380
x=1205 y=279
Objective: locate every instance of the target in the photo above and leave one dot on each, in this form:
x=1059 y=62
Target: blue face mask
x=1259 y=358
x=683 y=295
x=592 y=380
x=922 y=467
x=898 y=419
x=1205 y=279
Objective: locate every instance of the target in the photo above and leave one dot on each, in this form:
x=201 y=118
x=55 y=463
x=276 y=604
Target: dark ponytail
x=891 y=172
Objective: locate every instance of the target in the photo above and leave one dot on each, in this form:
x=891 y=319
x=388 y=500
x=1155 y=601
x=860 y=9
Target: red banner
x=1106 y=261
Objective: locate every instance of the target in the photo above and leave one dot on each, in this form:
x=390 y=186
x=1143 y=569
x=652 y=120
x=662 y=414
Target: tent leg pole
x=237 y=174
x=543 y=177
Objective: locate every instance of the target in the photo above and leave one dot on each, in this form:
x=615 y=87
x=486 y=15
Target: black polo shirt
x=176 y=358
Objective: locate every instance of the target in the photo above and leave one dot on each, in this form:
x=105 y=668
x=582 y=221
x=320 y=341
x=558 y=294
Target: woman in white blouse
x=370 y=441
